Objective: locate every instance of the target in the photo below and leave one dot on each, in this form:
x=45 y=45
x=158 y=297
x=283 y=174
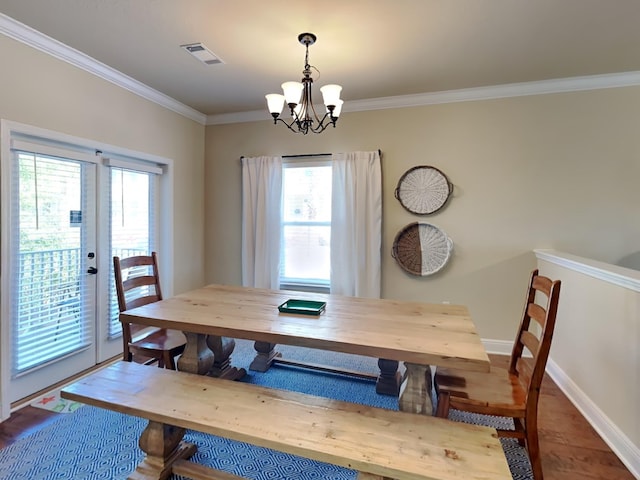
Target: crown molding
x=542 y=87
x=33 y=38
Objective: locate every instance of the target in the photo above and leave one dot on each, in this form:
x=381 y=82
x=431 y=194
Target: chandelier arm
x=289 y=125
x=303 y=125
x=322 y=126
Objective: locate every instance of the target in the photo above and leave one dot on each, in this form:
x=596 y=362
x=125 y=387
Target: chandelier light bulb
x=337 y=109
x=292 y=92
x=331 y=94
x=275 y=102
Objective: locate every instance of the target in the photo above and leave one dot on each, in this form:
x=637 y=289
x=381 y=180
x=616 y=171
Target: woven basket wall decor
x=423 y=190
x=422 y=249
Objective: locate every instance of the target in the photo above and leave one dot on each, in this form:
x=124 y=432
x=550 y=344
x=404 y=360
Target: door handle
x=92 y=270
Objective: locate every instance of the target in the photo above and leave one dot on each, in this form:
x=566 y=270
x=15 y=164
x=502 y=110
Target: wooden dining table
x=418 y=334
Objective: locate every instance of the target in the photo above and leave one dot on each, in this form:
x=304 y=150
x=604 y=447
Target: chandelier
x=297 y=95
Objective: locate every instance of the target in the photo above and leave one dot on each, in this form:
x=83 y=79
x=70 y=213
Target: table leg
x=163 y=445
x=197 y=356
x=264 y=358
x=415 y=392
x=222 y=348
x=388 y=382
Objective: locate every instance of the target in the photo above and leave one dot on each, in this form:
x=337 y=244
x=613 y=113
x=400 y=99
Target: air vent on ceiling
x=202 y=53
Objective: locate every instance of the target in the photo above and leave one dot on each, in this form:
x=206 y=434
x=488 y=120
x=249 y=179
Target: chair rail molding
x=616 y=275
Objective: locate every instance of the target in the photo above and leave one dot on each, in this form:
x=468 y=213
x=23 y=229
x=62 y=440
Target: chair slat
x=141 y=281
x=137 y=261
x=538 y=313
x=543 y=284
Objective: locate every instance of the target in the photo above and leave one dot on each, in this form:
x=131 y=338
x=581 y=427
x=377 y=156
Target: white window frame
x=14 y=131
x=301 y=162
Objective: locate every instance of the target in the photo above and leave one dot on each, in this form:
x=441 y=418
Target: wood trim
x=614 y=274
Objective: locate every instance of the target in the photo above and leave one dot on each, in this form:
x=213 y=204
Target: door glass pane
x=52 y=310
x=132 y=226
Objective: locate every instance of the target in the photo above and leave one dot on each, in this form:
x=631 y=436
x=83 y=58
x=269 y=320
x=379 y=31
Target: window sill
x=300 y=287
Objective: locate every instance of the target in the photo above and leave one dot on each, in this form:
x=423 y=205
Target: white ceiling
x=373 y=48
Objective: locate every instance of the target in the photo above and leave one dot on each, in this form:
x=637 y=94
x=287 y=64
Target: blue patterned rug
x=93 y=443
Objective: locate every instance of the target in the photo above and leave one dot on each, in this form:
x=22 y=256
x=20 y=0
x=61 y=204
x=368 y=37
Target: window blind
x=132 y=224
x=52 y=307
x=306 y=224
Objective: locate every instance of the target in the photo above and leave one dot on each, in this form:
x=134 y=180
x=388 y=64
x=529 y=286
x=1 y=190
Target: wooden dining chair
x=512 y=392
x=138 y=283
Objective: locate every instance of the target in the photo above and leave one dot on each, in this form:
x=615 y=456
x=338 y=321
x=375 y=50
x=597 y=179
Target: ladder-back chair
x=138 y=283
x=512 y=392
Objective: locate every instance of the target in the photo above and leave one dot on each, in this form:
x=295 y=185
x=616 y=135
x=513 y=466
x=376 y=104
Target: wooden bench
x=378 y=443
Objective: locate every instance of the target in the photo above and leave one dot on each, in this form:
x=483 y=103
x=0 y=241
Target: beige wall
x=550 y=171
x=39 y=90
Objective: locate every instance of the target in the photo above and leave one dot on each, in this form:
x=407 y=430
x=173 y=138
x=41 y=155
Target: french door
x=68 y=206
x=53 y=270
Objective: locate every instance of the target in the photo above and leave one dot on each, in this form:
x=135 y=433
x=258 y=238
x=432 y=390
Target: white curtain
x=356 y=224
x=261 y=215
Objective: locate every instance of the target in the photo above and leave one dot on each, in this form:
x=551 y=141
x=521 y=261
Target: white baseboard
x=626 y=451
x=499 y=347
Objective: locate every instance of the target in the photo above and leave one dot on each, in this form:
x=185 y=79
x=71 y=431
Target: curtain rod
x=308 y=155
x=311 y=155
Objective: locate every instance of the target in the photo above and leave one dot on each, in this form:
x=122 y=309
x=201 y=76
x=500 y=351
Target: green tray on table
x=303 y=307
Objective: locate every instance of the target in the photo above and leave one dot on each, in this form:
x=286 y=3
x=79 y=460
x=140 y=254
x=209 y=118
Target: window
x=305 y=261
x=293 y=213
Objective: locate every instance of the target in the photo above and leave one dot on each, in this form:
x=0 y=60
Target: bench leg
x=197 y=356
x=264 y=358
x=163 y=445
x=415 y=392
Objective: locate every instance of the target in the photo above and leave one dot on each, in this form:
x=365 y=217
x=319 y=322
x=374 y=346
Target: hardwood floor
x=571 y=449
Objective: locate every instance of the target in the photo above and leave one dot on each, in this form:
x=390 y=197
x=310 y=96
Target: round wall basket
x=423 y=190
x=422 y=249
